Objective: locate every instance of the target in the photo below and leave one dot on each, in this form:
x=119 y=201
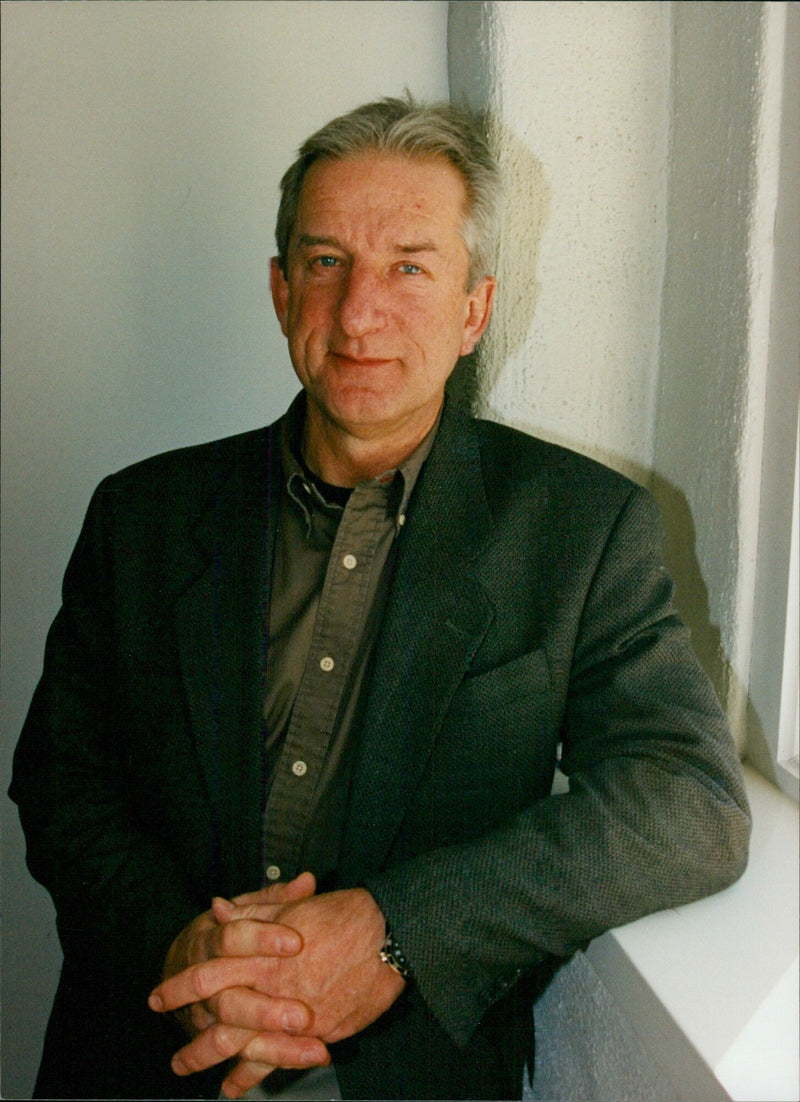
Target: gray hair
x=412 y=129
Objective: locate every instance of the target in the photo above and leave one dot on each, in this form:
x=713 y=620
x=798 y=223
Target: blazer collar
x=219 y=622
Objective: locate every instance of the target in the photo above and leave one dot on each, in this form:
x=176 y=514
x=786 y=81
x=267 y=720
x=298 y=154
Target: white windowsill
x=712 y=988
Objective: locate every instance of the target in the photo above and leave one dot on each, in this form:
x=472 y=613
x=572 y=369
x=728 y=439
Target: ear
x=280 y=293
x=479 y=309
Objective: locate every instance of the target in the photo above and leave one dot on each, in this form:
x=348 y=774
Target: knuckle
x=201 y=983
x=264 y=969
x=223 y=1039
x=270 y=1048
x=222 y=938
x=260 y=973
x=228 y=939
x=199 y=1017
x=225 y=1004
x=268 y=1016
x=258 y=1050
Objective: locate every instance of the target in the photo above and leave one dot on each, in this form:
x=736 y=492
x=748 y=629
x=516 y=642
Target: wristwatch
x=393 y=955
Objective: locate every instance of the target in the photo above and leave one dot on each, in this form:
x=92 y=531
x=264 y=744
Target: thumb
x=262 y=904
x=302 y=887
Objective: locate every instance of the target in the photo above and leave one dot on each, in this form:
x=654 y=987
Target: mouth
x=360 y=362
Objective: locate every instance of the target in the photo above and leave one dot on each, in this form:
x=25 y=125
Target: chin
x=362 y=407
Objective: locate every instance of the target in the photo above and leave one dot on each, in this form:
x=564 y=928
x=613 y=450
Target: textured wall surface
x=709 y=430
x=641 y=144
x=580 y=99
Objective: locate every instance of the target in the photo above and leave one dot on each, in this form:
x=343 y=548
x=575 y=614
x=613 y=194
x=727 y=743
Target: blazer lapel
x=435 y=619
x=220 y=622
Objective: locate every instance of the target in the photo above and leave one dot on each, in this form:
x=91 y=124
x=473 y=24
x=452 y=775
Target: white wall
x=726 y=418
x=580 y=95
x=642 y=148
x=649 y=269
x=142 y=148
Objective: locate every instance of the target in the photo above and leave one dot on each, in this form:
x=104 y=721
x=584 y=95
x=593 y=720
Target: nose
x=361 y=304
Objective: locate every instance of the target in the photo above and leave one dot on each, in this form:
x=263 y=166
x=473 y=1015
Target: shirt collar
x=400 y=480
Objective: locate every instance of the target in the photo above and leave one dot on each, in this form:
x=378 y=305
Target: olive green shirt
x=331 y=572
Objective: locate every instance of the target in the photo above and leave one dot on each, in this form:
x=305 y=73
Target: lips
x=360 y=362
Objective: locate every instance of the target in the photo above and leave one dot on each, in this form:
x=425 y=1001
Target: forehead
x=383 y=191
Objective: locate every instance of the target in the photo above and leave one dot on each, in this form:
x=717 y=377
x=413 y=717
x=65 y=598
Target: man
x=288 y=771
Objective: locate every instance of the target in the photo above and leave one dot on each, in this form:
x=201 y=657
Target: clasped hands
x=272 y=977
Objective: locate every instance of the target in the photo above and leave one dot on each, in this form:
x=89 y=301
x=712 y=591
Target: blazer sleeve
x=119 y=895
x=656 y=814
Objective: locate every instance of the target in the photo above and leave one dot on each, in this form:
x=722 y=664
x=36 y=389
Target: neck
x=343 y=458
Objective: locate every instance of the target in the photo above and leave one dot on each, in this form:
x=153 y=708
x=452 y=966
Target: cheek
x=440 y=333
x=310 y=300
x=305 y=320
x=428 y=324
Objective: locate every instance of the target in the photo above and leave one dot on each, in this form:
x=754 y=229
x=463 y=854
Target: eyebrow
x=418 y=247
x=310 y=241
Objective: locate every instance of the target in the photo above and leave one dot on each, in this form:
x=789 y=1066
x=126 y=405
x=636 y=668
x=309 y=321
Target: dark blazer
x=530 y=616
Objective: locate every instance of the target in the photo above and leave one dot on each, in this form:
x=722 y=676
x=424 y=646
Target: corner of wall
x=706 y=412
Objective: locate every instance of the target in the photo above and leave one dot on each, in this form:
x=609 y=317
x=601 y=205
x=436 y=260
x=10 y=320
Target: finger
x=283 y=1051
x=253 y=937
x=244 y=1077
x=196 y=1018
x=225 y=911
x=220 y=1042
x=202 y=981
x=211 y=1047
x=249 y=1073
x=275 y=896
x=302 y=887
x=247 y=1009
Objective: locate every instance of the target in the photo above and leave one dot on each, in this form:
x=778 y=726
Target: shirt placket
x=337 y=629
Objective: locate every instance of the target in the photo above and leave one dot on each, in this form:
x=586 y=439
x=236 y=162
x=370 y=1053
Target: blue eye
x=410 y=269
x=327 y=261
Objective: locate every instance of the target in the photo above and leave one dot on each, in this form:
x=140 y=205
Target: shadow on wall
x=522 y=219
x=691 y=599
x=691 y=595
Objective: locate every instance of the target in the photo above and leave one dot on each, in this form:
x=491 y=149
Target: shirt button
x=401 y=519
x=299 y=768
x=349 y=562
x=326 y=663
x=273 y=872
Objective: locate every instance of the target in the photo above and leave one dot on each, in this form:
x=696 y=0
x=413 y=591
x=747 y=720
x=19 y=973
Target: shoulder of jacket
x=195 y=462
x=185 y=480
x=512 y=455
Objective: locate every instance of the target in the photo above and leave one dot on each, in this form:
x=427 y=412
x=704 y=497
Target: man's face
x=374 y=303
